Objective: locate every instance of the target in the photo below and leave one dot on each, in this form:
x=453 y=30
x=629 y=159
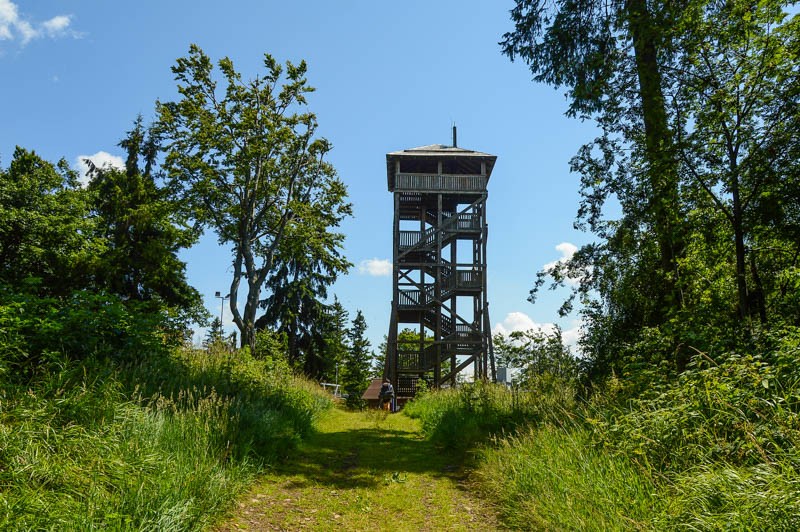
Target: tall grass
x=552 y=478
x=716 y=449
x=163 y=444
x=457 y=418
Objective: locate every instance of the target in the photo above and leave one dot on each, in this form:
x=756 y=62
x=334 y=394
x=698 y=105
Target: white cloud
x=375 y=267
x=57 y=26
x=100 y=159
x=8 y=19
x=14 y=26
x=519 y=321
x=567 y=251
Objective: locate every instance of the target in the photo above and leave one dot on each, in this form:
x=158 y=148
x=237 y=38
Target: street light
x=221 y=305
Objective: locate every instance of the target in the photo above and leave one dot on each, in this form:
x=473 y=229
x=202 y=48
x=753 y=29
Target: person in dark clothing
x=386 y=395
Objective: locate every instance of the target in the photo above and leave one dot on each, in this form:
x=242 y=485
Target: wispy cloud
x=375 y=267
x=57 y=26
x=100 y=159
x=16 y=27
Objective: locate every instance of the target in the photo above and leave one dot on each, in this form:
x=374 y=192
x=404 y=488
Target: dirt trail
x=363 y=471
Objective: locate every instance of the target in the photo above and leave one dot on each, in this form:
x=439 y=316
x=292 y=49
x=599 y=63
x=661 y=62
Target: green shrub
x=738 y=412
x=36 y=334
x=461 y=417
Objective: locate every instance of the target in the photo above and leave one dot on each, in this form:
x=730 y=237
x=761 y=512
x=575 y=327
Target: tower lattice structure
x=439 y=267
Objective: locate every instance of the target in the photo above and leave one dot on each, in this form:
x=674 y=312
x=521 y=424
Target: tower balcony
x=440 y=183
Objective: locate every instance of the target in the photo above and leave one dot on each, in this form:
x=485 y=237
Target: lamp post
x=221 y=305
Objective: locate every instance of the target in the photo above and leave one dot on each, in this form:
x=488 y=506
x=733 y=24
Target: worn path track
x=363 y=471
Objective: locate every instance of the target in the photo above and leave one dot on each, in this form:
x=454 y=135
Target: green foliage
x=460 y=418
x=45 y=230
x=245 y=161
x=215 y=337
x=698 y=107
x=356 y=374
x=167 y=442
x=117 y=236
x=740 y=412
x=271 y=347
x=139 y=233
x=715 y=448
x=36 y=333
x=541 y=357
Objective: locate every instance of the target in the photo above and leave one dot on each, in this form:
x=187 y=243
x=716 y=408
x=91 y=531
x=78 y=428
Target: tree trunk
x=663 y=173
x=738 y=236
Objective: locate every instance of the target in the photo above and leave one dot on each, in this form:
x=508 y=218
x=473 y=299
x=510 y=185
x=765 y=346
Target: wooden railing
x=468 y=222
x=444 y=182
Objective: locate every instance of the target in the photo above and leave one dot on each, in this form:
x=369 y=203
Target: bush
x=459 y=418
x=36 y=334
x=739 y=412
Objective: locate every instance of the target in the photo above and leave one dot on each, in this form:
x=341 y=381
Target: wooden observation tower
x=439 y=266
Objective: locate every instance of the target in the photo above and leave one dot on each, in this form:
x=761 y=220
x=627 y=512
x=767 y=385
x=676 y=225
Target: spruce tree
x=358 y=361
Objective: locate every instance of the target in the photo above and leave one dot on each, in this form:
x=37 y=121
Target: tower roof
x=416 y=160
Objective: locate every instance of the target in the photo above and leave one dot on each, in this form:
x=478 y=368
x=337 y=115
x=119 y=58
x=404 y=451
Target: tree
x=612 y=57
x=357 y=364
x=215 y=336
x=598 y=49
x=696 y=101
x=736 y=110
x=295 y=304
x=246 y=162
x=141 y=232
x=45 y=231
x=536 y=354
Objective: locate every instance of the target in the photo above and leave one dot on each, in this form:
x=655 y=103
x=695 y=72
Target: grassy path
x=363 y=471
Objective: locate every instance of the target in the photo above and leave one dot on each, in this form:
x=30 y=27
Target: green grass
x=717 y=449
x=552 y=478
x=94 y=446
x=364 y=471
x=458 y=419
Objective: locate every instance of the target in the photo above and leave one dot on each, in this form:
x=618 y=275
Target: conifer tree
x=358 y=362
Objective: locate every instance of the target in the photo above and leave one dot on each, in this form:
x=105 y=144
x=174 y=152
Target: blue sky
x=389 y=76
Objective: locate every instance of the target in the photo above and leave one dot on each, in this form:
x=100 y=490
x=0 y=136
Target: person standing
x=386 y=395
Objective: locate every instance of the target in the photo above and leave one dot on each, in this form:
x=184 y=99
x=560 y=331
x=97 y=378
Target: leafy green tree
x=736 y=108
x=536 y=354
x=356 y=374
x=45 y=231
x=141 y=233
x=696 y=102
x=612 y=57
x=246 y=162
x=295 y=305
